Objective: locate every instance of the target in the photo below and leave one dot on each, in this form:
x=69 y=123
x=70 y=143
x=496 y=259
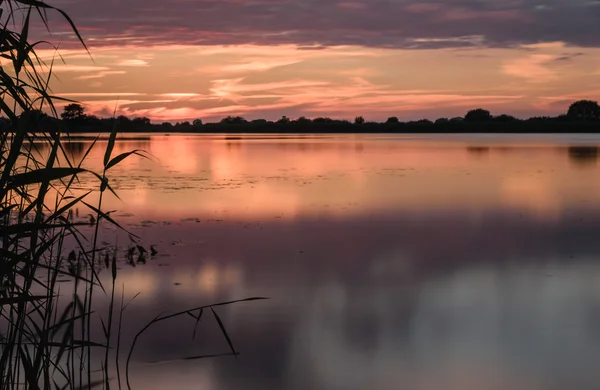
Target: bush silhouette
x=478 y=115
x=584 y=109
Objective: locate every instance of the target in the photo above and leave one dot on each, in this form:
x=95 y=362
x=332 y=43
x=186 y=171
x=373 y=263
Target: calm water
x=392 y=262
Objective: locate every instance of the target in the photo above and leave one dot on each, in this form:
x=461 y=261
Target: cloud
x=531 y=68
x=136 y=62
x=321 y=23
x=73 y=68
x=349 y=96
x=100 y=94
x=180 y=94
x=100 y=74
x=568 y=56
x=258 y=65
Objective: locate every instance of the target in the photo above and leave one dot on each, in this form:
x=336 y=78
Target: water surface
x=392 y=262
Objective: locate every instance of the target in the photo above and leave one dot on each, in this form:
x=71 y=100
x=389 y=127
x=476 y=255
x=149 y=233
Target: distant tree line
x=582 y=116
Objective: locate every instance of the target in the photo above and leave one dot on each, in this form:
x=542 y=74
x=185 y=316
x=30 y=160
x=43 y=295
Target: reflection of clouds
x=261 y=177
x=475 y=329
x=175 y=375
x=535 y=195
x=209 y=279
x=176 y=153
x=402 y=306
x=139 y=280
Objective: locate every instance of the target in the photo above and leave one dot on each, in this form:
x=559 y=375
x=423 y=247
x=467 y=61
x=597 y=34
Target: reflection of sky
x=479 y=329
x=419 y=301
x=413 y=264
x=260 y=178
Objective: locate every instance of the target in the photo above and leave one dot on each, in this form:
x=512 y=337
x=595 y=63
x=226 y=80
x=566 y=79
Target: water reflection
x=264 y=178
x=500 y=302
x=77 y=146
x=478 y=151
x=583 y=156
x=76 y=149
x=391 y=262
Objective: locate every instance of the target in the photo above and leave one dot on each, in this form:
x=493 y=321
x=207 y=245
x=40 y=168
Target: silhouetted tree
x=37 y=120
x=197 y=123
x=457 y=119
x=478 y=115
x=259 y=122
x=392 y=120
x=441 y=120
x=73 y=111
x=123 y=123
x=303 y=119
x=143 y=121
x=284 y=120
x=233 y=120
x=359 y=120
x=584 y=109
x=504 y=118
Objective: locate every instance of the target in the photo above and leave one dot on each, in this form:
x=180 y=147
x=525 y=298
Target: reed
x=45 y=332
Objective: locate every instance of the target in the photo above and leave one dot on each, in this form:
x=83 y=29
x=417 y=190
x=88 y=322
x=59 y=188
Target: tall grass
x=45 y=332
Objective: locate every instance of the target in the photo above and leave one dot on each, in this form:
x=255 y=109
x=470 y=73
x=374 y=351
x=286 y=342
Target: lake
x=419 y=262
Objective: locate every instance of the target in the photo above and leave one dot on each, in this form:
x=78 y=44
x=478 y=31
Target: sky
x=176 y=60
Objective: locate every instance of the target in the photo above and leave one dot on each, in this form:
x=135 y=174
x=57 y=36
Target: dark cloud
x=568 y=56
x=317 y=23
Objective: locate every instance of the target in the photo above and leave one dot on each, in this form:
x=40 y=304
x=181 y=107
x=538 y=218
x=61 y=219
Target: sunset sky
x=173 y=60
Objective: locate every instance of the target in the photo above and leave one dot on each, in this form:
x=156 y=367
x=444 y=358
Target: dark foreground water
x=392 y=262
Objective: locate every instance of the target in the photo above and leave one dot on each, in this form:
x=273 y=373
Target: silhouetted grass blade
x=109 y=147
x=233 y=351
x=114 y=268
x=197 y=322
x=237 y=301
x=6 y=210
x=68 y=205
x=210 y=356
x=30 y=376
x=27 y=227
x=196 y=357
x=39 y=4
x=23 y=47
x=106 y=216
x=92 y=385
x=121 y=157
x=104 y=182
x=21 y=299
x=42 y=175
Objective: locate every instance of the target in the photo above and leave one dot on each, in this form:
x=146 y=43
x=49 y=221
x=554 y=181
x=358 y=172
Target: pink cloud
x=532 y=68
x=135 y=62
x=462 y=14
x=100 y=74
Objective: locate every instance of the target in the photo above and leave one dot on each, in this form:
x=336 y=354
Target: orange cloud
x=136 y=62
x=533 y=68
x=259 y=81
